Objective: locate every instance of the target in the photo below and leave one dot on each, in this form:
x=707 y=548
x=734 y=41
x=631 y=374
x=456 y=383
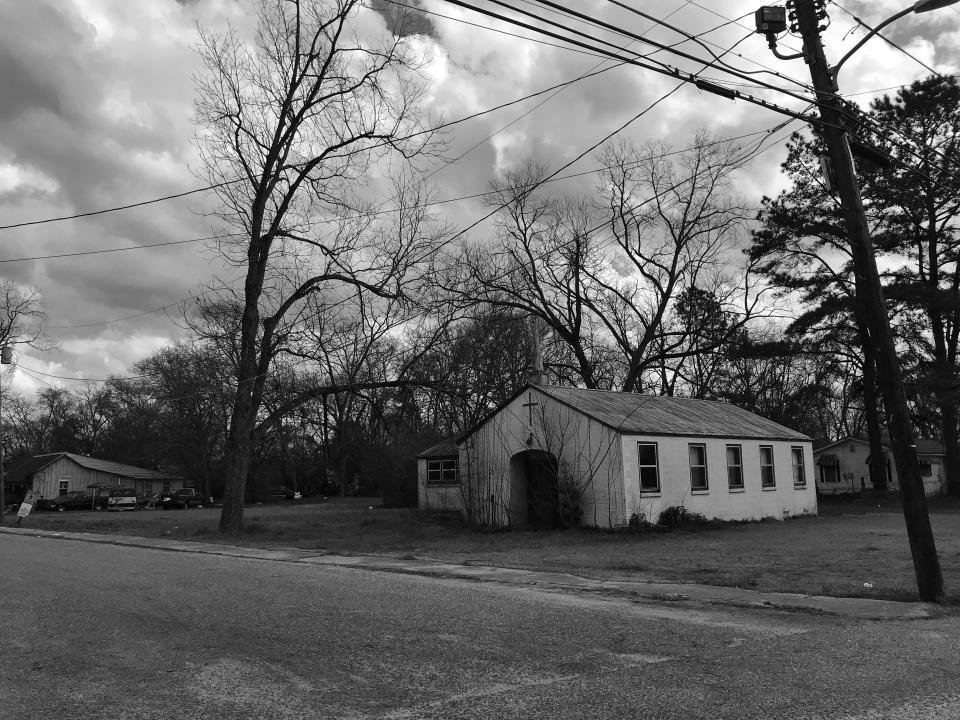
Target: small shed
x=611 y=457
x=438 y=478
x=59 y=473
x=843 y=466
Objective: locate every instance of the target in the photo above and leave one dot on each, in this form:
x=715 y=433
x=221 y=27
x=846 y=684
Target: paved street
x=105 y=631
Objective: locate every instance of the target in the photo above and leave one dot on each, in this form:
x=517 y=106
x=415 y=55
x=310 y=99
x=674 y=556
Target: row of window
x=648 y=458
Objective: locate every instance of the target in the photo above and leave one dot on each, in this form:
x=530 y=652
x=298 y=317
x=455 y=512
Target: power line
x=686 y=77
x=103 y=251
x=442 y=126
x=885 y=39
x=432 y=203
x=666 y=69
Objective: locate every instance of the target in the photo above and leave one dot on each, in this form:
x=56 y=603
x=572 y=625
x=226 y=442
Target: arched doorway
x=534 y=492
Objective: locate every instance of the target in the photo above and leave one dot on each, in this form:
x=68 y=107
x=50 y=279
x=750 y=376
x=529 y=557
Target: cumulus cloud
x=98 y=104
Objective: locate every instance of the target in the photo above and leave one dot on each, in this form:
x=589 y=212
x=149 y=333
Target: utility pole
x=6 y=358
x=872 y=310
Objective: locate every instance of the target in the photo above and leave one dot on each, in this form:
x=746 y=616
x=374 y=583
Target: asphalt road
x=101 y=631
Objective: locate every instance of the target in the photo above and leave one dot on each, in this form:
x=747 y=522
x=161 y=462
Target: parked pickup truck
x=183 y=498
x=71 y=501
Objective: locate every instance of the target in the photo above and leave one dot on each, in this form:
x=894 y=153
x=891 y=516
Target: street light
x=871 y=311
x=920 y=7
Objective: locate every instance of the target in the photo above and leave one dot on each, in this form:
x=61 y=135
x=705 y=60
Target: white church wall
x=721 y=500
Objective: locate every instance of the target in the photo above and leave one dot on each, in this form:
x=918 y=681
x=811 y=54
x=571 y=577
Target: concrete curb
x=856 y=608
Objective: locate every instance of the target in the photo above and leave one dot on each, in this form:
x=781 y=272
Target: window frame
x=795 y=451
x=442 y=471
x=739 y=466
x=655 y=466
x=703 y=467
x=764 y=485
x=63 y=487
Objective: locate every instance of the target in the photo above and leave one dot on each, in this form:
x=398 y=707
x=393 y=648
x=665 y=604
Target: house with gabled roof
x=843 y=466
x=59 y=473
x=610 y=458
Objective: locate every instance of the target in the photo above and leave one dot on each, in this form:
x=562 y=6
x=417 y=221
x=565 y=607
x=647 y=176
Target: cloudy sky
x=97 y=104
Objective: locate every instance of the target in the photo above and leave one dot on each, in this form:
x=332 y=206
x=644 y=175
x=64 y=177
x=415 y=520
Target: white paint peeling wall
x=586 y=450
x=719 y=501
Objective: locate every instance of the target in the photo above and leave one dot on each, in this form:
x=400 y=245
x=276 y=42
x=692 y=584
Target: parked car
x=75 y=500
x=182 y=498
x=122 y=499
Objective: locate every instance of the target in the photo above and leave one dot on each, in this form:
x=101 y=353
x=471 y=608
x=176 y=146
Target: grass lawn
x=855 y=548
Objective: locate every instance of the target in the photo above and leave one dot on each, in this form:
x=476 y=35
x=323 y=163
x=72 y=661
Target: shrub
x=638 y=523
x=677 y=516
x=571 y=509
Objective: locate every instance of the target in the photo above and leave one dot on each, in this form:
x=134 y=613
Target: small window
x=64 y=487
x=853 y=448
x=829 y=474
x=767 y=478
x=442 y=471
x=698 y=467
x=799 y=472
x=734 y=467
x=649 y=471
x=926 y=469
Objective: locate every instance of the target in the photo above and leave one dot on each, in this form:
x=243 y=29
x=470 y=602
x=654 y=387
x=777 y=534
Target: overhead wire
x=690 y=77
x=442 y=126
x=861 y=23
x=646 y=61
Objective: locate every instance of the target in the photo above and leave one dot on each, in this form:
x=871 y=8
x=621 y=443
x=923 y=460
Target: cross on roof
x=530 y=405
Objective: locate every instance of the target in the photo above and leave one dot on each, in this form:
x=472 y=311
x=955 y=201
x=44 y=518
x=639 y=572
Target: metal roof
x=31 y=466
x=444 y=448
x=925 y=446
x=653 y=415
x=115 y=468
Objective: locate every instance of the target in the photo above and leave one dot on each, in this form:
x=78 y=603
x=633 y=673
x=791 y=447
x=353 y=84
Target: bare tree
x=292 y=124
x=675 y=229
x=21 y=319
x=538 y=264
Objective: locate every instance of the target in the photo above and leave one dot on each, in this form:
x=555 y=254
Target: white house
x=622 y=455
x=843 y=466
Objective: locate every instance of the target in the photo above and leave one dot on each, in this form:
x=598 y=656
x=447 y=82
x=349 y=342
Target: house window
x=64 y=487
x=799 y=472
x=698 y=466
x=767 y=478
x=649 y=471
x=829 y=474
x=442 y=471
x=853 y=449
x=926 y=469
x=734 y=467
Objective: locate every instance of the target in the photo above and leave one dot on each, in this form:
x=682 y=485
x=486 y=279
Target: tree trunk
x=878 y=458
x=951 y=447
